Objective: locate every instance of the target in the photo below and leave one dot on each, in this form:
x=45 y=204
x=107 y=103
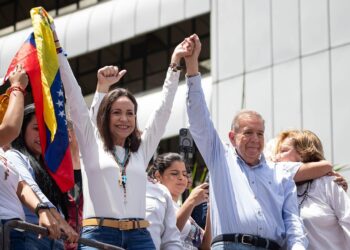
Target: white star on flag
x=61 y=113
x=60 y=92
x=59 y=103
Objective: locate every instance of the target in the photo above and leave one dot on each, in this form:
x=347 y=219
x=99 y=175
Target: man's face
x=249 y=139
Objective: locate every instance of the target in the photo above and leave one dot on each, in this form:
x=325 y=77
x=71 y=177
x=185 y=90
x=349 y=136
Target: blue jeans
x=128 y=239
x=226 y=245
x=29 y=241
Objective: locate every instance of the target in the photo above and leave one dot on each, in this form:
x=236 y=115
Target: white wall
x=295 y=61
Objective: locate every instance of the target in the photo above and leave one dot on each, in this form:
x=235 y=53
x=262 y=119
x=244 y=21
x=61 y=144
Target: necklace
x=122 y=179
x=305 y=194
x=7 y=170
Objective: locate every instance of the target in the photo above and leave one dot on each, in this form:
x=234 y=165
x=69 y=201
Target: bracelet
x=175 y=67
x=16 y=88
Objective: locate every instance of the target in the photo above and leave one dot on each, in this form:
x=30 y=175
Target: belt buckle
x=247 y=239
x=124 y=225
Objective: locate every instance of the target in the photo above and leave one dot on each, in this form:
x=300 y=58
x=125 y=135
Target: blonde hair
x=305 y=142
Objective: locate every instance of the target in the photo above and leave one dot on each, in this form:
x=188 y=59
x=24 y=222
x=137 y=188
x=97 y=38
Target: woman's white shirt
x=10 y=205
x=161 y=214
x=103 y=196
x=326 y=214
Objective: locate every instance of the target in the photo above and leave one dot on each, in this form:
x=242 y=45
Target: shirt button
x=270 y=182
x=253 y=182
x=260 y=228
x=259 y=213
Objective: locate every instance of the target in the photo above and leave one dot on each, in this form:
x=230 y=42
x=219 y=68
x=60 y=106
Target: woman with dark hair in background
x=25 y=154
x=170 y=170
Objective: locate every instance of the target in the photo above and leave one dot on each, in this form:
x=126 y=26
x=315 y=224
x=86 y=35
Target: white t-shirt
x=161 y=214
x=325 y=211
x=10 y=205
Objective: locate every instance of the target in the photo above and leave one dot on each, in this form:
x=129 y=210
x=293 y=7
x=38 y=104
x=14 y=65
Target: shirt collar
x=262 y=159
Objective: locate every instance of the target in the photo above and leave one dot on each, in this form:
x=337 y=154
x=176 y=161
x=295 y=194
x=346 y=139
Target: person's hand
x=18 y=77
x=340 y=180
x=72 y=235
x=197 y=48
x=192 y=59
x=185 y=48
x=107 y=76
x=199 y=194
x=46 y=219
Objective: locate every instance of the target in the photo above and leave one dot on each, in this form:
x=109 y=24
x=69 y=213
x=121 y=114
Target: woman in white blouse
x=170 y=170
x=115 y=154
x=324 y=205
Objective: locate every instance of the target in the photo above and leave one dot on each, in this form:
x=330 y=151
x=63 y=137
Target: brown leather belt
x=120 y=224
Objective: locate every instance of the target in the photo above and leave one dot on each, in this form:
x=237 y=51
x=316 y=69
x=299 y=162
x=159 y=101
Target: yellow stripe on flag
x=48 y=61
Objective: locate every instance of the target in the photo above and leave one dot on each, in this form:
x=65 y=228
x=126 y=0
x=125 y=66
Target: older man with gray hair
x=253 y=203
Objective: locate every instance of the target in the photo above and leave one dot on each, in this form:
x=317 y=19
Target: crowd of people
x=291 y=200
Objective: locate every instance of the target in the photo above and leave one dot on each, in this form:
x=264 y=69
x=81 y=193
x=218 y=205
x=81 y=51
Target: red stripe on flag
x=64 y=176
x=27 y=56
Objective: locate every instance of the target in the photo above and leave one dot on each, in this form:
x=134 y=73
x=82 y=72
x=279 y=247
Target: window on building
x=146 y=57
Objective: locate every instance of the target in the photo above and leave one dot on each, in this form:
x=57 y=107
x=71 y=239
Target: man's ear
x=231 y=135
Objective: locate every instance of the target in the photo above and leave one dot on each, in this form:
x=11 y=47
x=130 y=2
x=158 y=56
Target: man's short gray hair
x=244 y=113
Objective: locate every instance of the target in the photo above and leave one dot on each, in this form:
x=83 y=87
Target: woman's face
x=287 y=152
x=31 y=137
x=122 y=120
x=175 y=178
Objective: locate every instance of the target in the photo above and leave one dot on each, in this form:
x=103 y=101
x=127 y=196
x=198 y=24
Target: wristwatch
x=40 y=206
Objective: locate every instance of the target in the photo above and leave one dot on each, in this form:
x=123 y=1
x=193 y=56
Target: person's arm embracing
x=312 y=170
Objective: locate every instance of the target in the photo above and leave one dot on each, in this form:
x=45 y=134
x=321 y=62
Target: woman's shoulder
x=157 y=191
x=14 y=154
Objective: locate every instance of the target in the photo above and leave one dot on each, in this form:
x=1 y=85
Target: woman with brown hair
x=324 y=205
x=115 y=154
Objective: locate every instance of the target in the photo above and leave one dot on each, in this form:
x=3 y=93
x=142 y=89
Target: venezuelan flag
x=39 y=58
